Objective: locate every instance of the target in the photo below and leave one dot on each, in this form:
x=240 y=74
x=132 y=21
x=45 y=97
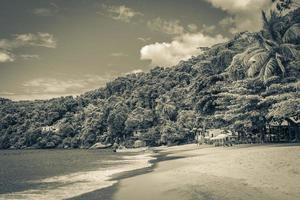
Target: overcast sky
x=66 y=47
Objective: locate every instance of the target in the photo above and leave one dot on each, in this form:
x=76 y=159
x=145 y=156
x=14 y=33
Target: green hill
x=238 y=85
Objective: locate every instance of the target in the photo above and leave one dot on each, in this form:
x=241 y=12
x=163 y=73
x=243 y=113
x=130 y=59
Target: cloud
x=136 y=71
x=57 y=86
x=208 y=29
x=192 y=27
x=144 y=39
x=7 y=46
x=29 y=39
x=245 y=13
x=42 y=12
x=53 y=85
x=181 y=48
x=30 y=56
x=5 y=93
x=121 y=12
x=6 y=57
x=46 y=12
x=118 y=54
x=40 y=39
x=229 y=24
x=228 y=21
x=171 y=27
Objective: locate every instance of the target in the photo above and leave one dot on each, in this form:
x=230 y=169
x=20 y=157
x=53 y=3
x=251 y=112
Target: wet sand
x=191 y=172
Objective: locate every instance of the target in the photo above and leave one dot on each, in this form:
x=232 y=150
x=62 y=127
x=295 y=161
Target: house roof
x=221 y=136
x=215 y=131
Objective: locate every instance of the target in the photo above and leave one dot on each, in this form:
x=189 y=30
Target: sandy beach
x=240 y=172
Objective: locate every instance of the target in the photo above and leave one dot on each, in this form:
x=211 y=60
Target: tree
x=282 y=5
x=166 y=110
x=285 y=109
x=278 y=45
x=66 y=130
x=4 y=141
x=32 y=136
x=116 y=121
x=151 y=136
x=171 y=133
x=187 y=119
x=139 y=118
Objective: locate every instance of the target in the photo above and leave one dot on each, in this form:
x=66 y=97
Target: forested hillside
x=238 y=85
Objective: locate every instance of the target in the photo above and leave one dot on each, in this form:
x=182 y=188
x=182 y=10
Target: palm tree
x=278 y=44
x=282 y=5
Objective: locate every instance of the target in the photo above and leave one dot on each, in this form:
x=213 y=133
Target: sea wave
x=79 y=183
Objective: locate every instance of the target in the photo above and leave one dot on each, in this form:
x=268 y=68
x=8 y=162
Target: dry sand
x=241 y=172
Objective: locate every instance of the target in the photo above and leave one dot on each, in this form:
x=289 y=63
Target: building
x=215 y=136
x=224 y=139
x=287 y=130
x=49 y=129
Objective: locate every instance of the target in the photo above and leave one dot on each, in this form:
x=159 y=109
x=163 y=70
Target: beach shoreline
x=77 y=182
x=206 y=172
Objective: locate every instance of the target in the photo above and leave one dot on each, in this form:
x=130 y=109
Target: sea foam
x=76 y=184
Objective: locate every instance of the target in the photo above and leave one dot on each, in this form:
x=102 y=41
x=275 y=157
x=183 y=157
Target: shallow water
x=61 y=174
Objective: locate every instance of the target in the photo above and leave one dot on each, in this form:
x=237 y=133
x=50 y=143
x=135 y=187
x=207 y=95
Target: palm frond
x=259 y=38
x=289 y=52
x=267 y=31
x=281 y=66
x=276 y=26
x=292 y=35
x=268 y=70
x=251 y=54
x=259 y=61
x=265 y=19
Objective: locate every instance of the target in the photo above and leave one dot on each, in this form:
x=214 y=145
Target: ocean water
x=61 y=174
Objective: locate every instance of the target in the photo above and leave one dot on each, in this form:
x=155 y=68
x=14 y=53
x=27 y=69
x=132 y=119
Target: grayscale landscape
x=142 y=100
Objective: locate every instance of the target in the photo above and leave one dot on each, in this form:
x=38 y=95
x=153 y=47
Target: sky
x=67 y=47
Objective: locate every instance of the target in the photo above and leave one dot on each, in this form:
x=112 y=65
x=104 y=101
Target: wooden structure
x=287 y=130
x=224 y=139
x=216 y=136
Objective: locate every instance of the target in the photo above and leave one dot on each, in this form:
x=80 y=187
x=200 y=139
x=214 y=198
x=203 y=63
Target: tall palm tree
x=278 y=44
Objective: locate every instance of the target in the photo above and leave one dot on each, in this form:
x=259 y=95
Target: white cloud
x=181 y=48
x=246 y=13
x=2 y=93
x=192 y=27
x=118 y=54
x=144 y=39
x=6 y=57
x=7 y=46
x=136 y=71
x=228 y=21
x=122 y=12
x=30 y=56
x=51 y=10
x=47 y=88
x=53 y=85
x=29 y=39
x=57 y=86
x=208 y=29
x=40 y=39
x=42 y=12
x=171 y=27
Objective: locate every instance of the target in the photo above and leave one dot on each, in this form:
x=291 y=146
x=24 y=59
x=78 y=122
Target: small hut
x=216 y=136
x=224 y=139
x=287 y=130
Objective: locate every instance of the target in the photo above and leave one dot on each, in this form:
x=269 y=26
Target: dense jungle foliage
x=238 y=85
